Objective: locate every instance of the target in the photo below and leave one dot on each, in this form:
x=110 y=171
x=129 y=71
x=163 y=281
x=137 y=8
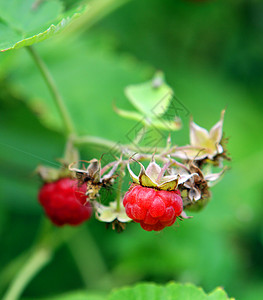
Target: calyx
x=154 y=176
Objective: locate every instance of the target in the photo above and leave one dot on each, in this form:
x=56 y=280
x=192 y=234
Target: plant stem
x=69 y=127
x=36 y=262
x=89 y=260
x=98 y=141
x=116 y=146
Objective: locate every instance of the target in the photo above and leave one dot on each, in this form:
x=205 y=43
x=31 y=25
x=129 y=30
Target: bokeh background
x=211 y=54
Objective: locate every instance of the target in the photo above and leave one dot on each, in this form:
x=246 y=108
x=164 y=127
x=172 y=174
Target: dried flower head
x=195 y=191
x=94 y=178
x=203 y=144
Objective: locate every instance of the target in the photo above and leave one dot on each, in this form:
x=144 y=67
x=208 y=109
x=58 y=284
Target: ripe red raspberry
x=80 y=193
x=62 y=204
x=153 y=209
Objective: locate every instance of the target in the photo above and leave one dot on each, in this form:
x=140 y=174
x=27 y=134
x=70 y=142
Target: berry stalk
x=119 y=190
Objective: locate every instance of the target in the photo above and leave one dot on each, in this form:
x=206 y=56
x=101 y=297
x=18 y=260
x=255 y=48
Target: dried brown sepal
x=117 y=226
x=196 y=206
x=93 y=176
x=195 y=192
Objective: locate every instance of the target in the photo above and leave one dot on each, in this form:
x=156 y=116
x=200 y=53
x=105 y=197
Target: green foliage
x=172 y=291
x=24 y=23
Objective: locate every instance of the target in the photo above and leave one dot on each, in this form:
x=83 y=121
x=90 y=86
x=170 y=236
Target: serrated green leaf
x=178 y=291
x=171 y=291
x=218 y=294
x=151 y=98
x=23 y=23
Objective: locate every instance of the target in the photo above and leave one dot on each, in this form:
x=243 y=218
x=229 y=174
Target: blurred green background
x=211 y=53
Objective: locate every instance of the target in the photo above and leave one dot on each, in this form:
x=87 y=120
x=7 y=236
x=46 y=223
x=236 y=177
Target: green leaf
x=171 y=291
x=151 y=98
x=141 y=291
x=218 y=294
x=23 y=23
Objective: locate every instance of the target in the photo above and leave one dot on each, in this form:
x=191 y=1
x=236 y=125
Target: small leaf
x=151 y=98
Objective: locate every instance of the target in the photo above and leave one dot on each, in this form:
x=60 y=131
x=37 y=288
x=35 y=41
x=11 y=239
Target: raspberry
x=153 y=209
x=62 y=204
x=80 y=192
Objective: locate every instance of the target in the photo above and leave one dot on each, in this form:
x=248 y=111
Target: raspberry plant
x=176 y=181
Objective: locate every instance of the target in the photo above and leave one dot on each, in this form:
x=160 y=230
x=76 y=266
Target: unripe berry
x=62 y=204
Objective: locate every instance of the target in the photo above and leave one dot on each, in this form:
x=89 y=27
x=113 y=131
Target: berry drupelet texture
x=153 y=209
x=63 y=202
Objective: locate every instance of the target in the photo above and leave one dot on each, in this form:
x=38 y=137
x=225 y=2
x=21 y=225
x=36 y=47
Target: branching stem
x=69 y=127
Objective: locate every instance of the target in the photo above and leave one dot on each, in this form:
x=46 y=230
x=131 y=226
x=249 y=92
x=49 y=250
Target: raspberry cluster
x=153 y=209
x=63 y=202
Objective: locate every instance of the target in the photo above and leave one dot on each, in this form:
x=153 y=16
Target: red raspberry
x=80 y=193
x=153 y=209
x=62 y=204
